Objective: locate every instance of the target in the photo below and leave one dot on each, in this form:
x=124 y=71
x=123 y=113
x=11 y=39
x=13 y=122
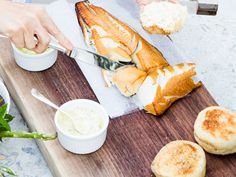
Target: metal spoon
x=35 y=93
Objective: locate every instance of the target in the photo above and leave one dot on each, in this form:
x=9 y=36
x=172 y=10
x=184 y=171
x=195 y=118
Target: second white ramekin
x=83 y=144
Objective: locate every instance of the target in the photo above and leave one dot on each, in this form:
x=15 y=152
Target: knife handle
x=55 y=45
x=207 y=7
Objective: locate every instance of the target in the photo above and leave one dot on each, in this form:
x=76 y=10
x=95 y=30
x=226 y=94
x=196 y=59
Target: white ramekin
x=5 y=94
x=37 y=62
x=83 y=144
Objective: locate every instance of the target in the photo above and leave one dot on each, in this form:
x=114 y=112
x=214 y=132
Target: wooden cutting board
x=133 y=140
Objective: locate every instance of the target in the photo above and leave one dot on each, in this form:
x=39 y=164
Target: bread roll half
x=215 y=130
x=180 y=159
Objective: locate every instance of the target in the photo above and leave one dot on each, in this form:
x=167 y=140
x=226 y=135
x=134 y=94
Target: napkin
x=64 y=16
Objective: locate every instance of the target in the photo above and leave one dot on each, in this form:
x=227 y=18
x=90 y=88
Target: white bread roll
x=163 y=17
x=215 y=130
x=180 y=159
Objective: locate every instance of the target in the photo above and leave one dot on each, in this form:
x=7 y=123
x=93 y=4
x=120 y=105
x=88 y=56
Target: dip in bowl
x=31 y=61
x=91 y=120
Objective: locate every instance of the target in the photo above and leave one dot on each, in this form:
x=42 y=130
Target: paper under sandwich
x=116 y=40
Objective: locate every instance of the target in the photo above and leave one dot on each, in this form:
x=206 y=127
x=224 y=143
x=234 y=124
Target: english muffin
x=215 y=130
x=180 y=159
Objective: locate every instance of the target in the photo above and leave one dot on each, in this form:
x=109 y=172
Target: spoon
x=35 y=93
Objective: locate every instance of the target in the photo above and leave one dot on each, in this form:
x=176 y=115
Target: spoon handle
x=42 y=98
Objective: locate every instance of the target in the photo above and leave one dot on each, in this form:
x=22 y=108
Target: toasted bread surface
x=215 y=130
x=180 y=159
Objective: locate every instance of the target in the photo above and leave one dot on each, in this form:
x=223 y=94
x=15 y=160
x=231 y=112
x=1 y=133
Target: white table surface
x=208 y=41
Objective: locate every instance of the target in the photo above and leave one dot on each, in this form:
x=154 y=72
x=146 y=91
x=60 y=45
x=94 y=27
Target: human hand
x=22 y=22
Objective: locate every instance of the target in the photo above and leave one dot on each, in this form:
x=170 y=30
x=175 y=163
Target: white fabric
x=63 y=14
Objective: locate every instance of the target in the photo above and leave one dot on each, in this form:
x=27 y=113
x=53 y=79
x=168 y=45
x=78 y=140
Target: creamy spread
x=166 y=15
x=31 y=52
x=87 y=120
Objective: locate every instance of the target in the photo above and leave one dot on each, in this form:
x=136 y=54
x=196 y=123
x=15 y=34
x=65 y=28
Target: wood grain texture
x=133 y=140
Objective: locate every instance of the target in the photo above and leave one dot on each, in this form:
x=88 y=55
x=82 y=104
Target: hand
x=142 y=3
x=21 y=22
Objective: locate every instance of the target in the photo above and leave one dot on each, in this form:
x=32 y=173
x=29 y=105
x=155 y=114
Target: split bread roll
x=115 y=39
x=180 y=159
x=164 y=86
x=163 y=17
x=215 y=130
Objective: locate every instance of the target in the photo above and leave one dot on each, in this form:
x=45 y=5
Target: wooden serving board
x=133 y=140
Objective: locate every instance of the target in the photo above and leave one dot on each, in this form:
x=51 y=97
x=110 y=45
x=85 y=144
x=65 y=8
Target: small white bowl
x=83 y=144
x=5 y=94
x=37 y=62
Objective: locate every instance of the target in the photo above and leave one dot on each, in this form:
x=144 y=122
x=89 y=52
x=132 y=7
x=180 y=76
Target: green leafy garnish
x=5 y=132
x=5 y=170
x=5 y=129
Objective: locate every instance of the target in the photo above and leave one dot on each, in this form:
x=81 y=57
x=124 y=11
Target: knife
x=85 y=56
x=201 y=7
x=88 y=57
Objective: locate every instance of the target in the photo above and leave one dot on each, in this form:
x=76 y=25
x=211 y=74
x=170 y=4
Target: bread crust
x=215 y=130
x=180 y=159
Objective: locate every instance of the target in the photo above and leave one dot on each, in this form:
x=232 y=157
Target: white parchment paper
x=63 y=14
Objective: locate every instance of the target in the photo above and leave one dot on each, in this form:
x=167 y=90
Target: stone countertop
x=208 y=41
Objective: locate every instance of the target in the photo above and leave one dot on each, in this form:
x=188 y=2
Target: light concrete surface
x=208 y=41
x=22 y=155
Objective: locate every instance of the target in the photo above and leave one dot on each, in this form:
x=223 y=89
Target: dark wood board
x=133 y=140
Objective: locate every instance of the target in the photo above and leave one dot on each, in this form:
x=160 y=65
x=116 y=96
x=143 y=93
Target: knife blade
x=88 y=57
x=201 y=7
x=95 y=59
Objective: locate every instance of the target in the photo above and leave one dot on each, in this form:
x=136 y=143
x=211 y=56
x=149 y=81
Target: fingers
x=43 y=40
x=30 y=42
x=51 y=27
x=35 y=21
x=17 y=37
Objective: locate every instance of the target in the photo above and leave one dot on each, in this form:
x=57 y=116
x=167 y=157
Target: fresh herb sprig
x=5 y=129
x=5 y=170
x=5 y=132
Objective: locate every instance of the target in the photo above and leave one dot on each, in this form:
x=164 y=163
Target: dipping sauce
x=87 y=120
x=29 y=52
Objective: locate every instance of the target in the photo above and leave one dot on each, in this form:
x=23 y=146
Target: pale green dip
x=87 y=120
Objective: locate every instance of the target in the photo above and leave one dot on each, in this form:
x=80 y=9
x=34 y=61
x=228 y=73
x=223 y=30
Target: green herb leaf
x=7 y=171
x=8 y=117
x=3 y=110
x=4 y=126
